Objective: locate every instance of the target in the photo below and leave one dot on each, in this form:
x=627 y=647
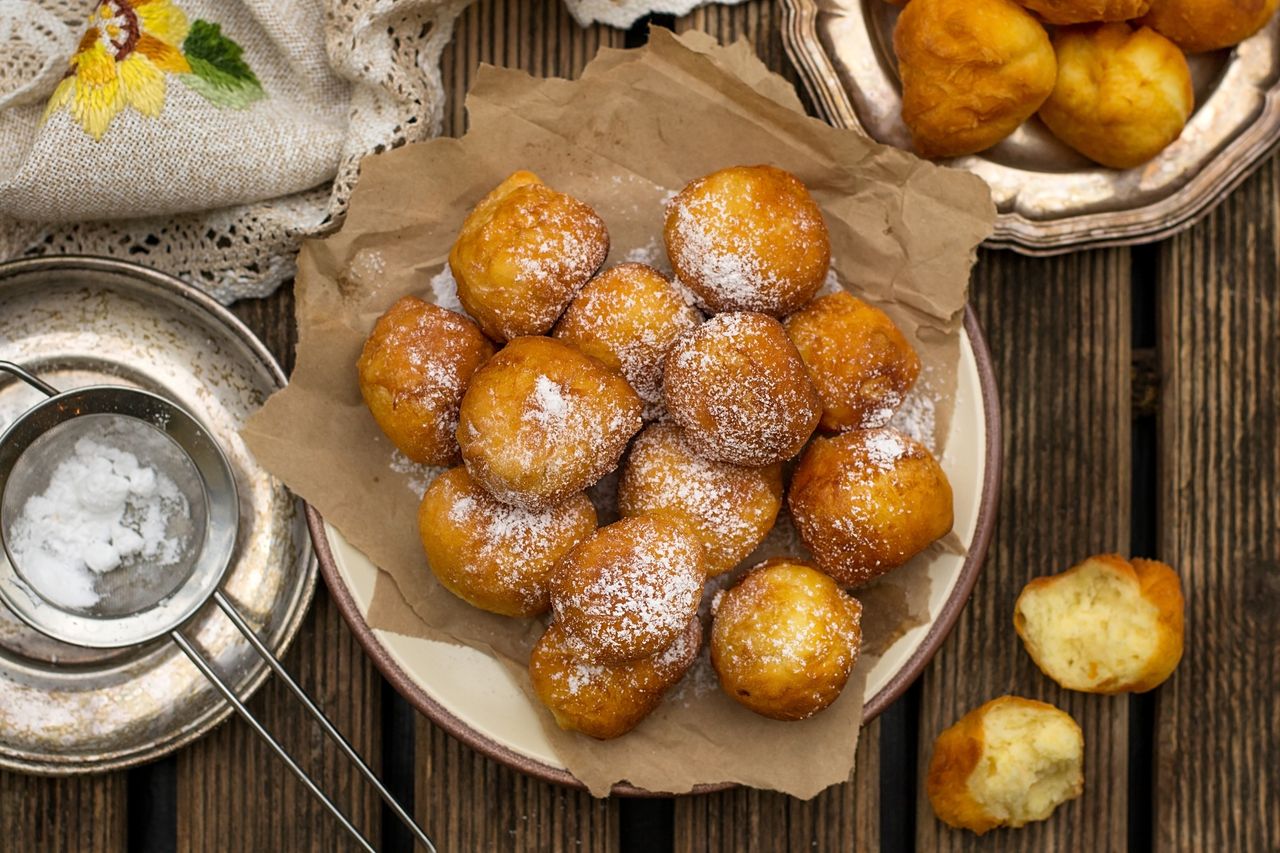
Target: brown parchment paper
x=636 y=127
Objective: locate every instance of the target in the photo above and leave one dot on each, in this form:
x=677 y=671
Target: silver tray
x=86 y=321
x=1050 y=199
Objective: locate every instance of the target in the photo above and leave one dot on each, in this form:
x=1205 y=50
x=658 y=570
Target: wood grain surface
x=1198 y=770
x=1218 y=719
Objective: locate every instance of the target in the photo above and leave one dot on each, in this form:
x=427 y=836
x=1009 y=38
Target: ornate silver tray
x=1052 y=200
x=87 y=321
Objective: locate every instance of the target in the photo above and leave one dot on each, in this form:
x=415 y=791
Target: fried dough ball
x=860 y=362
x=1007 y=763
x=541 y=421
x=522 y=254
x=1063 y=12
x=607 y=701
x=1108 y=625
x=748 y=238
x=412 y=372
x=867 y=501
x=628 y=317
x=1122 y=96
x=784 y=639
x=972 y=71
x=629 y=590
x=731 y=508
x=739 y=388
x=495 y=556
x=1200 y=25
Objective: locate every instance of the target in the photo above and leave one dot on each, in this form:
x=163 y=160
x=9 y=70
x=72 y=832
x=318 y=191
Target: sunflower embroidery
x=127 y=51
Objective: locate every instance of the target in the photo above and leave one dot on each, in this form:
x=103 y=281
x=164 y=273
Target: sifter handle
x=39 y=384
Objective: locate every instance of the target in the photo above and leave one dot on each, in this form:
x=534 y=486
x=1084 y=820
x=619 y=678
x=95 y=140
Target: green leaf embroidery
x=217 y=70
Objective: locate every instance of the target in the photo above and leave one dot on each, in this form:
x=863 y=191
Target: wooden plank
x=1217 y=784
x=1060 y=334
x=843 y=817
x=233 y=793
x=71 y=814
x=466 y=800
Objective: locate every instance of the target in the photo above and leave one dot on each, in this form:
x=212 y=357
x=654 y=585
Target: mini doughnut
x=495 y=556
x=748 y=238
x=1007 y=763
x=739 y=388
x=1200 y=25
x=867 y=501
x=972 y=72
x=522 y=254
x=541 y=421
x=1062 y=12
x=413 y=370
x=606 y=701
x=628 y=317
x=860 y=362
x=1123 y=95
x=1108 y=625
x=784 y=639
x=630 y=589
x=731 y=508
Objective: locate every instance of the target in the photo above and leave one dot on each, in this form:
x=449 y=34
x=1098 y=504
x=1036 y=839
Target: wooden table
x=1141 y=397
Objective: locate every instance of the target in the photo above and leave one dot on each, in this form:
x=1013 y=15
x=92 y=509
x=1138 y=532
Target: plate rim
x=911 y=670
x=1160 y=220
x=221 y=710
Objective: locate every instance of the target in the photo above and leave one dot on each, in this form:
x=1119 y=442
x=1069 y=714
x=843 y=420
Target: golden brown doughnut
x=866 y=501
x=784 y=639
x=1122 y=96
x=1063 y=12
x=1200 y=25
x=522 y=254
x=740 y=390
x=1108 y=625
x=860 y=362
x=628 y=317
x=495 y=556
x=972 y=72
x=413 y=370
x=630 y=589
x=748 y=238
x=606 y=701
x=542 y=421
x=731 y=508
x=1007 y=763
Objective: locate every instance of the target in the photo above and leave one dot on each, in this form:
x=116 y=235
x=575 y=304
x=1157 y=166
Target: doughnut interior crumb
x=1105 y=626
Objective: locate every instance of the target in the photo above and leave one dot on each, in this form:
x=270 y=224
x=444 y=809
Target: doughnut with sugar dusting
x=629 y=590
x=542 y=421
x=860 y=362
x=522 y=254
x=1064 y=12
x=1200 y=25
x=867 y=501
x=732 y=508
x=492 y=555
x=628 y=317
x=741 y=391
x=784 y=639
x=412 y=372
x=748 y=238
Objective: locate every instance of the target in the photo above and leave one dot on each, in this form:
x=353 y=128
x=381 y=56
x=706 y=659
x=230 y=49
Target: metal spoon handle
x=29 y=378
x=278 y=668
x=227 y=693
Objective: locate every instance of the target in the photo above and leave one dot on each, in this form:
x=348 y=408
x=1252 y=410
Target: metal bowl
x=1052 y=200
x=94 y=321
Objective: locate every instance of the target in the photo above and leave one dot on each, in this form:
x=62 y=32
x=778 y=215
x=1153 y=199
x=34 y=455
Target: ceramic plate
x=89 y=321
x=1051 y=199
x=471 y=695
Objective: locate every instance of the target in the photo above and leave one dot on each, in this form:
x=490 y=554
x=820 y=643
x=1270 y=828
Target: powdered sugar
x=444 y=290
x=417 y=477
x=102 y=511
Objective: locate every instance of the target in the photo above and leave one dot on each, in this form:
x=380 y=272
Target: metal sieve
x=142 y=601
